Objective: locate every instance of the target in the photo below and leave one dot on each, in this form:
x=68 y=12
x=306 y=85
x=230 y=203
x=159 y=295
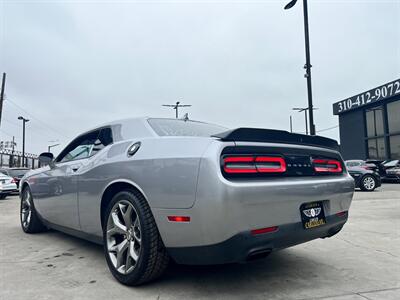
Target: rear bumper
x=244 y=246
x=8 y=190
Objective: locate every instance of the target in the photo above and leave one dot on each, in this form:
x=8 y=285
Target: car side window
x=86 y=145
x=104 y=139
x=82 y=151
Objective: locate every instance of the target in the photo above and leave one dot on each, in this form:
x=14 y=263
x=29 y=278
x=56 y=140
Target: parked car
x=377 y=166
x=16 y=173
x=392 y=170
x=365 y=178
x=152 y=189
x=7 y=185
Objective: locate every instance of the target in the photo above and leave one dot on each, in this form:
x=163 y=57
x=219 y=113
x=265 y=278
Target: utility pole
x=12 y=152
x=23 y=138
x=291 y=124
x=3 y=86
x=176 y=106
x=308 y=65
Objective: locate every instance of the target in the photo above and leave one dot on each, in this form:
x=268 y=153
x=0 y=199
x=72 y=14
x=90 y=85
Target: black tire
x=34 y=224
x=3 y=196
x=368 y=183
x=153 y=258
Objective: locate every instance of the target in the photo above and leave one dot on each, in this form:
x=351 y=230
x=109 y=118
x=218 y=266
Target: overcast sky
x=74 y=64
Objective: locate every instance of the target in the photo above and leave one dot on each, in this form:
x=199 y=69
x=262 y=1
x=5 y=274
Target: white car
x=7 y=185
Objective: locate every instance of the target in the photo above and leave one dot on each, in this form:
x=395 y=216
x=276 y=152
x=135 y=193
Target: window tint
x=393 y=110
x=169 y=127
x=81 y=151
x=104 y=139
x=86 y=145
x=395 y=146
x=376 y=148
x=374 y=118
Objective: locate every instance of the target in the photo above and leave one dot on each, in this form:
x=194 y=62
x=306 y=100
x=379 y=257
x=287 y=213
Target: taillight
x=13 y=180
x=179 y=219
x=254 y=164
x=270 y=164
x=341 y=214
x=239 y=164
x=264 y=230
x=327 y=166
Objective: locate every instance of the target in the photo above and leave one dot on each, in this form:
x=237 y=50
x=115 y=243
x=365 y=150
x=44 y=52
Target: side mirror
x=46 y=158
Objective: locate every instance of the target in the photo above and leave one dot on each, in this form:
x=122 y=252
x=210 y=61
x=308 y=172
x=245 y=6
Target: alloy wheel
x=26 y=209
x=369 y=183
x=123 y=237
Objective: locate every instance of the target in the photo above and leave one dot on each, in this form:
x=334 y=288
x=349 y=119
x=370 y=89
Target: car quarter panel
x=224 y=208
x=164 y=169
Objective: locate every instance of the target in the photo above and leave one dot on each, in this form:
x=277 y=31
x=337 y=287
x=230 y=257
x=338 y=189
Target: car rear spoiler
x=276 y=136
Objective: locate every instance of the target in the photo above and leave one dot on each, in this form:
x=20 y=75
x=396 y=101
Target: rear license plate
x=312 y=214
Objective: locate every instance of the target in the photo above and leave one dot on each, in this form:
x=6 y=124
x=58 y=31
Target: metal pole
x=176 y=112
x=291 y=124
x=23 y=143
x=305 y=116
x=51 y=146
x=308 y=68
x=12 y=155
x=3 y=85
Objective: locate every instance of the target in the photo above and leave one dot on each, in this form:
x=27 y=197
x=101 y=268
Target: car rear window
x=170 y=127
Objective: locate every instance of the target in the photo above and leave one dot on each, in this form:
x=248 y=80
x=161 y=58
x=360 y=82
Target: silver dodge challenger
x=152 y=189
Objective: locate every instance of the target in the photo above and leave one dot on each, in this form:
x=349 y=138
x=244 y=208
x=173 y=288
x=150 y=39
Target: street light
x=305 y=109
x=51 y=146
x=23 y=138
x=307 y=66
x=176 y=106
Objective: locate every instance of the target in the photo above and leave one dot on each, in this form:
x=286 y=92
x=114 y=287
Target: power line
x=2 y=131
x=47 y=126
x=329 y=128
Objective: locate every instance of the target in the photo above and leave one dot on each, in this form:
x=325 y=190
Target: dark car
x=16 y=173
x=392 y=170
x=377 y=166
x=365 y=178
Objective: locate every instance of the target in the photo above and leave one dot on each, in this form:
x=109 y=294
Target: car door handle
x=75 y=168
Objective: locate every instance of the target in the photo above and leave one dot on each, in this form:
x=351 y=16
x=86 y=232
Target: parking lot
x=361 y=262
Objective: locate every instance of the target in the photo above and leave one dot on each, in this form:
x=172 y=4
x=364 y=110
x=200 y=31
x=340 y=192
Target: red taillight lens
x=178 y=218
x=264 y=230
x=239 y=164
x=254 y=164
x=342 y=214
x=327 y=166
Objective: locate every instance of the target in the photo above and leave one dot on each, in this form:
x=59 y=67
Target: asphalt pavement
x=361 y=262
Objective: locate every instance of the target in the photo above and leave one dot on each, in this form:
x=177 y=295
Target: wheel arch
x=114 y=187
x=24 y=186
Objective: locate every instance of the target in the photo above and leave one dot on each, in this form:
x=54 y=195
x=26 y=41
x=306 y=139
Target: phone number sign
x=377 y=94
